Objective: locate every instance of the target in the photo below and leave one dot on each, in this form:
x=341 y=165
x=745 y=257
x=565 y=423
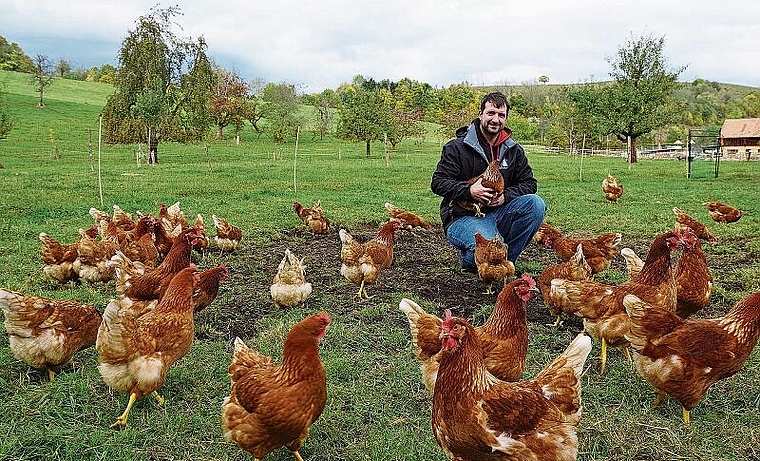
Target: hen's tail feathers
x=117 y=326
x=427 y=343
x=244 y=359
x=560 y=380
x=647 y=321
x=632 y=262
x=12 y=304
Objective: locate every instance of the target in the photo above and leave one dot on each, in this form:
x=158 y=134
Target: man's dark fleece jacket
x=467 y=156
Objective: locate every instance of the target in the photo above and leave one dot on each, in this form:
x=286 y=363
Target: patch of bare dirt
x=426 y=268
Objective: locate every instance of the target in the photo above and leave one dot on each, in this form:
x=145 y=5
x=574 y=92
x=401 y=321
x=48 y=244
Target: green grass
x=377 y=408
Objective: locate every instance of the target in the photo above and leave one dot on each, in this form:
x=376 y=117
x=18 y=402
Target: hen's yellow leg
x=297 y=455
x=160 y=400
x=627 y=354
x=660 y=397
x=558 y=322
x=121 y=421
x=604 y=355
x=51 y=375
x=686 y=416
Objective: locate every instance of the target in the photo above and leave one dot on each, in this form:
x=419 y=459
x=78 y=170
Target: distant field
x=377 y=407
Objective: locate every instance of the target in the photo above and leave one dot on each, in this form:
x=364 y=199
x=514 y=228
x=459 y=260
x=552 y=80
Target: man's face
x=492 y=118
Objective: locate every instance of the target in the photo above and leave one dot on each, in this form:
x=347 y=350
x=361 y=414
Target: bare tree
x=42 y=77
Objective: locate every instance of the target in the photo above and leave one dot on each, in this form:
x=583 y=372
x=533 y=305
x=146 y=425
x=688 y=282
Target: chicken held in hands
x=722 y=213
x=491 y=261
x=313 y=217
x=136 y=348
x=272 y=406
x=576 y=268
x=503 y=336
x=598 y=251
x=362 y=262
x=601 y=306
x=490 y=178
x=477 y=416
x=682 y=358
x=411 y=220
x=46 y=333
x=227 y=236
x=289 y=287
x=611 y=188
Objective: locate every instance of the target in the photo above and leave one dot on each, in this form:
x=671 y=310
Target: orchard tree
x=42 y=76
x=62 y=68
x=281 y=106
x=227 y=102
x=361 y=115
x=153 y=58
x=639 y=99
x=324 y=103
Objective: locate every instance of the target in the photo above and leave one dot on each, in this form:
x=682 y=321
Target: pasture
x=377 y=407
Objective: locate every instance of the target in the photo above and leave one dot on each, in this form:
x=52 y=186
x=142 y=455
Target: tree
x=639 y=99
x=360 y=115
x=324 y=104
x=153 y=59
x=228 y=100
x=281 y=109
x=13 y=58
x=42 y=76
x=62 y=68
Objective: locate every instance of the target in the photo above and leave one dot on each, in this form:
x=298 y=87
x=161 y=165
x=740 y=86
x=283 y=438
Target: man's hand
x=485 y=195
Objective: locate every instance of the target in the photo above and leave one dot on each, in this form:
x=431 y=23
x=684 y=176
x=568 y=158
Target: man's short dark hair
x=496 y=98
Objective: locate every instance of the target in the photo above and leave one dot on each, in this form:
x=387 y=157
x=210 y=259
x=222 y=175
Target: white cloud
x=441 y=42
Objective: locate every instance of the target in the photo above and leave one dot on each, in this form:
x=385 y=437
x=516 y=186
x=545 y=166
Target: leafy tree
x=62 y=68
x=13 y=58
x=639 y=99
x=281 y=104
x=42 y=76
x=360 y=115
x=324 y=104
x=227 y=102
x=152 y=58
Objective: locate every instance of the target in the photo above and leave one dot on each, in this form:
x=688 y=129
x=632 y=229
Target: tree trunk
x=368 y=149
x=219 y=133
x=632 y=150
x=40 y=104
x=153 y=151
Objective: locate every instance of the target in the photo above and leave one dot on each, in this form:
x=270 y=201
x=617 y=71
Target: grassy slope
x=377 y=407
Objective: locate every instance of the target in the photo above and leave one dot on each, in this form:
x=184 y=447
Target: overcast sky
x=321 y=44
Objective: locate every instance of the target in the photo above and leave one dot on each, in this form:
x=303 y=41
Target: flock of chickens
x=481 y=407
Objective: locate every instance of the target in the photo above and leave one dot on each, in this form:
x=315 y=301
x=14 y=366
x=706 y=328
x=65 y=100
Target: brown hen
x=694 y=284
x=503 y=336
x=611 y=188
x=272 y=406
x=682 y=358
x=46 y=333
x=576 y=268
x=491 y=178
x=362 y=262
x=136 y=348
x=601 y=306
x=491 y=261
x=598 y=251
x=722 y=213
x=477 y=416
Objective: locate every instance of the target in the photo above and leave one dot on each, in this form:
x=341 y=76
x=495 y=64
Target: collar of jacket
x=471 y=139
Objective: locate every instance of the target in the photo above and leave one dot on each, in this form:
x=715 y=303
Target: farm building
x=740 y=138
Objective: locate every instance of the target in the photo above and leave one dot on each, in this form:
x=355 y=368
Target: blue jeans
x=516 y=222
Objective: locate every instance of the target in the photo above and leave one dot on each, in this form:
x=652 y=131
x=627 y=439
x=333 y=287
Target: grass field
x=377 y=407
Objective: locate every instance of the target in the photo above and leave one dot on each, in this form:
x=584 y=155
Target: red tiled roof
x=741 y=128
